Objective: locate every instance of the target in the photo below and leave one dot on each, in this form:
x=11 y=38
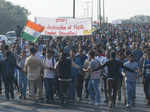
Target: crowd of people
x=72 y=68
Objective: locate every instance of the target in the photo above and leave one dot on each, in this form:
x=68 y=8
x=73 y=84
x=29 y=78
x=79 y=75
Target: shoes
x=73 y=102
x=12 y=97
x=110 y=104
x=97 y=104
x=91 y=102
x=119 y=99
x=24 y=97
x=32 y=98
x=62 y=101
x=125 y=102
x=0 y=92
x=47 y=101
x=7 y=99
x=105 y=101
x=41 y=99
x=86 y=96
x=133 y=104
x=20 y=97
x=102 y=90
x=128 y=106
x=113 y=105
x=78 y=99
x=148 y=103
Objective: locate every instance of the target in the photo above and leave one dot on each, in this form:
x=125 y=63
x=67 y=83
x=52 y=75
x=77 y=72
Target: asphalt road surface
x=33 y=106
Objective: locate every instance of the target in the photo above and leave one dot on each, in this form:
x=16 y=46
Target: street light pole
x=74 y=8
x=103 y=11
x=99 y=11
x=92 y=9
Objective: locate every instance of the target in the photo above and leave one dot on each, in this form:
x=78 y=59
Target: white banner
x=65 y=26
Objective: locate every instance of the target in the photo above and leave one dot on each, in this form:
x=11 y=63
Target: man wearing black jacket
x=114 y=78
x=64 y=75
x=9 y=65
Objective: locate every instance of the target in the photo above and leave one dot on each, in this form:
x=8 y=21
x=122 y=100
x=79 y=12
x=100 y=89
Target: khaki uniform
x=34 y=66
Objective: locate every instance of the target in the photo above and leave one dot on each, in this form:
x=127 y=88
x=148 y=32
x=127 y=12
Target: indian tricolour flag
x=32 y=31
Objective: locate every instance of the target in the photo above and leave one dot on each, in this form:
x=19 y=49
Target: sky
x=114 y=9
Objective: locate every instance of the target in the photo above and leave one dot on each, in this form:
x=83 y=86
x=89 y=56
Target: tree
x=11 y=16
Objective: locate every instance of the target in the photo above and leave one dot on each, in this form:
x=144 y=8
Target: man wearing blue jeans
x=131 y=93
x=94 y=92
x=49 y=84
x=22 y=77
x=131 y=81
x=93 y=86
x=22 y=84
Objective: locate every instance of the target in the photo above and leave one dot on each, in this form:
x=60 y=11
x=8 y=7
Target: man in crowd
x=114 y=77
x=146 y=77
x=50 y=76
x=130 y=79
x=33 y=68
x=80 y=59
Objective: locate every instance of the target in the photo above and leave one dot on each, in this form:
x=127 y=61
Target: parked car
x=3 y=38
x=11 y=36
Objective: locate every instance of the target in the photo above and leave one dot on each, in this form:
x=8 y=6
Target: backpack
x=95 y=64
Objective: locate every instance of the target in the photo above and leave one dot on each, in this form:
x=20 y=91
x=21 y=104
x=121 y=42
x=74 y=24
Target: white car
x=11 y=36
x=3 y=38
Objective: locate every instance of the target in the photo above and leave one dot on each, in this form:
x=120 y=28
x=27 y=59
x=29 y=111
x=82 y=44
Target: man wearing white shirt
x=102 y=60
x=49 y=76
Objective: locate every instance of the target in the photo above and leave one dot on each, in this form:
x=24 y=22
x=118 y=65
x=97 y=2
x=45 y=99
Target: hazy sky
x=115 y=9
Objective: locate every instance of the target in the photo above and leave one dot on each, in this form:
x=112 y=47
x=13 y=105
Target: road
x=31 y=106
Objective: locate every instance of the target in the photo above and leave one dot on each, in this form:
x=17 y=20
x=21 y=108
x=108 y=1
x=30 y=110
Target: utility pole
x=92 y=10
x=99 y=11
x=103 y=11
x=74 y=8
